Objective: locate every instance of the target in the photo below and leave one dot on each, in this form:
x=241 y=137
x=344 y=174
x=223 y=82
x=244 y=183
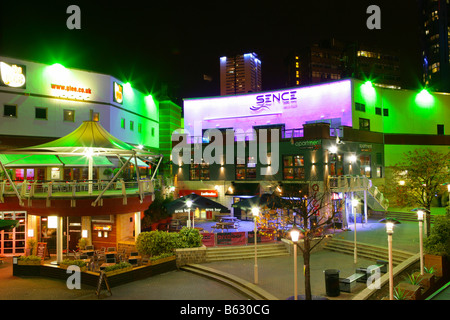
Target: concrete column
x=137 y=224
x=59 y=240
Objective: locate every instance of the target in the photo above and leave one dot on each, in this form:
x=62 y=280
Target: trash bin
x=332 y=282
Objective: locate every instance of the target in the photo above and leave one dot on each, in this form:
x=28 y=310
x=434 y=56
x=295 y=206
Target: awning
x=202 y=203
x=82 y=161
x=243 y=189
x=22 y=160
x=8 y=225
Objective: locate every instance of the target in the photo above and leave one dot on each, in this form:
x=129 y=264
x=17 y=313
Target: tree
x=419 y=178
x=312 y=215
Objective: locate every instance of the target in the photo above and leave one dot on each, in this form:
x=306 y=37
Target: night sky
x=175 y=43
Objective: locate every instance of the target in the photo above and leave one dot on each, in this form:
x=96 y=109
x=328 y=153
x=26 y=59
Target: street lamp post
x=189 y=204
x=390 y=222
x=355 y=253
x=295 y=234
x=420 y=214
x=255 y=212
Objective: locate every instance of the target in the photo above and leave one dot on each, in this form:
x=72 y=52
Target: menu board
x=41 y=250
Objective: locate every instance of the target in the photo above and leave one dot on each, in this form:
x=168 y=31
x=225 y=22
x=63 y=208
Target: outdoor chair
x=110 y=260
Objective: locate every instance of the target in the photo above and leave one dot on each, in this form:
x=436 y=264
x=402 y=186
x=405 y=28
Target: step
x=367 y=251
x=245 y=252
x=248 y=289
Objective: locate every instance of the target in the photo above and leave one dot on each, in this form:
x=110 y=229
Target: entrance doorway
x=74 y=232
x=13 y=242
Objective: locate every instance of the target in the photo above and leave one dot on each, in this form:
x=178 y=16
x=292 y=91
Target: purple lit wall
x=292 y=107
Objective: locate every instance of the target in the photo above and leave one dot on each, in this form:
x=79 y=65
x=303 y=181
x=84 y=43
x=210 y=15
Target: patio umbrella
x=256 y=201
x=202 y=203
x=8 y=225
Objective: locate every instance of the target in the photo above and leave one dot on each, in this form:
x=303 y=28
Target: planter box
x=26 y=270
x=118 y=271
x=65 y=266
x=412 y=292
x=162 y=260
x=426 y=281
x=29 y=263
x=439 y=263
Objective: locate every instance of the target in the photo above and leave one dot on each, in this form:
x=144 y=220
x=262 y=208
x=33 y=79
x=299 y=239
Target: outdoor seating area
x=98 y=260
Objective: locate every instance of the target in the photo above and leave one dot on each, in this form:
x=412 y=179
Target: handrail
x=48 y=189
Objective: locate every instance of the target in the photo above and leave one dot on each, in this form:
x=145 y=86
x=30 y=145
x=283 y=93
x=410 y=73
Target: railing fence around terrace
x=73 y=189
x=249 y=136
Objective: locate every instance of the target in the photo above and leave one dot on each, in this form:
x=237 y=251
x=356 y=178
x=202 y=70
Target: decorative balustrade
x=84 y=188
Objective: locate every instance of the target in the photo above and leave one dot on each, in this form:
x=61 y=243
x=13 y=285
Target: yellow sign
x=12 y=75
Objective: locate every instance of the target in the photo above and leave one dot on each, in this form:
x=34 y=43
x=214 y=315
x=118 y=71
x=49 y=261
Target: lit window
x=131 y=125
x=139 y=127
x=69 y=115
x=10 y=111
x=96 y=116
x=122 y=123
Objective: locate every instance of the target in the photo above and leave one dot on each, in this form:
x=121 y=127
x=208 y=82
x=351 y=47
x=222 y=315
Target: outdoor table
x=199 y=228
x=90 y=253
x=134 y=259
x=224 y=225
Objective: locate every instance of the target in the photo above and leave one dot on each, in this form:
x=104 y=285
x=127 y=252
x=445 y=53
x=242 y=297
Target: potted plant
x=437 y=247
x=31 y=243
x=29 y=260
x=81 y=244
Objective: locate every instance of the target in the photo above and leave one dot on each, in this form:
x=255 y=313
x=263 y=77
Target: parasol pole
x=12 y=184
x=111 y=181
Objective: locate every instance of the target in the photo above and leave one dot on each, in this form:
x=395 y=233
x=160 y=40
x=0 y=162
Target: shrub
x=117 y=266
x=438 y=243
x=78 y=263
x=155 y=243
x=29 y=258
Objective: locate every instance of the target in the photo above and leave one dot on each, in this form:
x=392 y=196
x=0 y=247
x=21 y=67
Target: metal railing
x=350 y=183
x=82 y=188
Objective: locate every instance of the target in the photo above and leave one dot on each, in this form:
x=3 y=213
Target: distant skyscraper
x=333 y=60
x=435 y=44
x=240 y=74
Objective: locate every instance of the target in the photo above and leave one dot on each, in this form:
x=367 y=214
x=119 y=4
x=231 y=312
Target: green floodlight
x=424 y=98
x=368 y=91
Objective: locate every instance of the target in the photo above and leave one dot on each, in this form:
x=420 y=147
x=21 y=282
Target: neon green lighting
x=424 y=99
x=368 y=91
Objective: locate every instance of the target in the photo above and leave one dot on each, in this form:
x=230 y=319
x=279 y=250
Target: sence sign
x=12 y=75
x=288 y=99
x=71 y=92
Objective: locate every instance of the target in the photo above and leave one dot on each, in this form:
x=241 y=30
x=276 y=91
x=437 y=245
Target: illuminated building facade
x=240 y=74
x=341 y=128
x=40 y=103
x=435 y=32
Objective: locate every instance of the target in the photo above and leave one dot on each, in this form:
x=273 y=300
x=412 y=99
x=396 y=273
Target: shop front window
x=198 y=171
x=365 y=168
x=293 y=167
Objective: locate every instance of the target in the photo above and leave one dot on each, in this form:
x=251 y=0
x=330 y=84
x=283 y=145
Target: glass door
x=13 y=242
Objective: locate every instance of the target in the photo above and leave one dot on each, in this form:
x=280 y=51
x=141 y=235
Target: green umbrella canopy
x=8 y=224
x=89 y=137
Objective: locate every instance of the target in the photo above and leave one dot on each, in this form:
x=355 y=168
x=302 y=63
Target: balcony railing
x=285 y=134
x=74 y=189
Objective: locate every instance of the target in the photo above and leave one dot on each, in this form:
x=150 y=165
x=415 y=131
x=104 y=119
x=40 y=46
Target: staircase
x=406 y=216
x=359 y=184
x=246 y=288
x=366 y=251
x=245 y=252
